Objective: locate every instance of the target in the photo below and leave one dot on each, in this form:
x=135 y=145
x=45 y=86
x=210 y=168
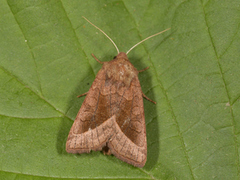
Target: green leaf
x=45 y=62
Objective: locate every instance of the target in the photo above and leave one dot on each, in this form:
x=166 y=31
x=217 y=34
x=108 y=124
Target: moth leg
x=106 y=150
x=143 y=69
x=148 y=98
x=97 y=59
x=144 y=94
x=82 y=95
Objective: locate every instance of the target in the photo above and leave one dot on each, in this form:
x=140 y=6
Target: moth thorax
x=121 y=71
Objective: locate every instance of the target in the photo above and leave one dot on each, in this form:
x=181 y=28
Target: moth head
x=121 y=55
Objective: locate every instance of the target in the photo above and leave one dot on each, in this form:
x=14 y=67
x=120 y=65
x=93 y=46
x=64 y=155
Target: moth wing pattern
x=129 y=142
x=87 y=132
x=111 y=115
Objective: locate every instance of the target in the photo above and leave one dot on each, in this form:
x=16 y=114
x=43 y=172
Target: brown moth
x=111 y=117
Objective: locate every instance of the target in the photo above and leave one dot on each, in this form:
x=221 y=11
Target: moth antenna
x=147 y=39
x=103 y=33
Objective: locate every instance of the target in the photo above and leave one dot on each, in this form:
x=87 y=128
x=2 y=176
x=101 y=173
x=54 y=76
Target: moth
x=111 y=117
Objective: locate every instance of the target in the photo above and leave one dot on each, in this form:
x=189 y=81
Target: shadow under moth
x=111 y=117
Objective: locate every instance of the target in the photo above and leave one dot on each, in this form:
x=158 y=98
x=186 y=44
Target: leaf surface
x=45 y=62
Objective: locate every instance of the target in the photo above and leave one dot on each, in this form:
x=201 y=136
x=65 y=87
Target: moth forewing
x=111 y=117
